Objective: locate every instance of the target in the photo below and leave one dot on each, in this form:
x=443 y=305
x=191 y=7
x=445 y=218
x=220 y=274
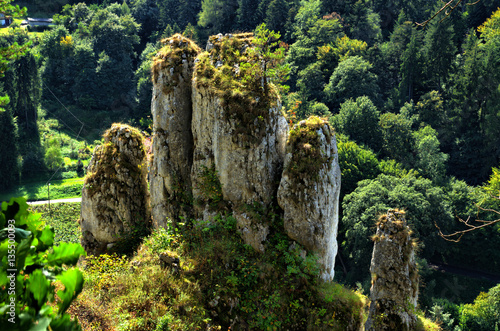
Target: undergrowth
x=63 y=217
x=221 y=283
x=209 y=187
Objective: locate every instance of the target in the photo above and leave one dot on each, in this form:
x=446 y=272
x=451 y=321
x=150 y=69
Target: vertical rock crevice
x=394 y=290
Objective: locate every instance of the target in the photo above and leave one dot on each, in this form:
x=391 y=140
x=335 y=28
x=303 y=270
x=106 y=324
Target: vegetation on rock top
x=245 y=71
x=171 y=56
x=304 y=143
x=112 y=158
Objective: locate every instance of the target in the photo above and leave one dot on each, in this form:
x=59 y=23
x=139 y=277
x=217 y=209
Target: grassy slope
x=63 y=217
x=59 y=189
x=220 y=280
x=71 y=150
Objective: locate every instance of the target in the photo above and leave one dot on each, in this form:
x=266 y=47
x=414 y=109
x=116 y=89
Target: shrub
x=484 y=313
x=31 y=269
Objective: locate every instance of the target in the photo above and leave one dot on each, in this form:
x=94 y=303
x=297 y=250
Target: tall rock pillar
x=239 y=133
x=171 y=106
x=394 y=290
x=115 y=192
x=309 y=190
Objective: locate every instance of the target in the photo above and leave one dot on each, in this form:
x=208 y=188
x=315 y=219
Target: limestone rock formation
x=394 y=290
x=115 y=193
x=220 y=142
x=309 y=190
x=171 y=106
x=242 y=137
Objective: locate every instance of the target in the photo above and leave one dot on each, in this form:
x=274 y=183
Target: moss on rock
x=304 y=143
x=177 y=49
x=394 y=272
x=235 y=74
x=115 y=195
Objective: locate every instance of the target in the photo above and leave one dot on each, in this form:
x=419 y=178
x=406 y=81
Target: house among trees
x=5 y=20
x=37 y=22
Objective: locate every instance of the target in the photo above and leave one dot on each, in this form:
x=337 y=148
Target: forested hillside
x=416 y=108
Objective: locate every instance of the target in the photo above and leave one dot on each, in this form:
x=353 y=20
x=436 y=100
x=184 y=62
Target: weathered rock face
x=170 y=170
x=394 y=290
x=247 y=174
x=115 y=194
x=309 y=191
x=247 y=162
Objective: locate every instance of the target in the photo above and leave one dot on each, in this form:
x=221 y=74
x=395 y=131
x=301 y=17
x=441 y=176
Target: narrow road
x=44 y=202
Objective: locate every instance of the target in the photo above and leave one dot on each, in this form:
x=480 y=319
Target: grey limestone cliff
x=242 y=137
x=219 y=143
x=171 y=107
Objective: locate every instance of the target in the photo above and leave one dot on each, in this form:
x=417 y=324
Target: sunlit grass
x=59 y=189
x=425 y=324
x=63 y=217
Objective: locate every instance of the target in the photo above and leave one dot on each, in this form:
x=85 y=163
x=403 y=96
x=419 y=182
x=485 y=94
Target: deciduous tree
x=351 y=79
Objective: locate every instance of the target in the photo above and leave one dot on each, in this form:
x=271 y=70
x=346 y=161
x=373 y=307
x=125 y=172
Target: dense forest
x=416 y=108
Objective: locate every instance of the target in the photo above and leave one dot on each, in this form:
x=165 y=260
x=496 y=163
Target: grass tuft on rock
x=171 y=56
x=233 y=71
x=304 y=143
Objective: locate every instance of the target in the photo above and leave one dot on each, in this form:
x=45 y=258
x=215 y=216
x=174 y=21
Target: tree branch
x=451 y=5
x=457 y=235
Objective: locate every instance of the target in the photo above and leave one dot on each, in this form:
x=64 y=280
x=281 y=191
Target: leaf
x=3 y=278
x=39 y=285
x=22 y=252
x=65 y=324
x=20 y=234
x=33 y=221
x=72 y=280
x=65 y=253
x=46 y=238
x=42 y=325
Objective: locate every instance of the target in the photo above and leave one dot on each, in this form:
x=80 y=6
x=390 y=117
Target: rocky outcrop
x=171 y=106
x=394 y=290
x=115 y=193
x=234 y=149
x=309 y=191
x=241 y=137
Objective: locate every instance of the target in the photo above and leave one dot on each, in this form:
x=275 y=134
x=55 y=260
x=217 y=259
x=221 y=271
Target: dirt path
x=44 y=202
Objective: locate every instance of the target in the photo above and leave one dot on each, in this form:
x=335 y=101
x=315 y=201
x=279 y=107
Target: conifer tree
x=439 y=51
x=9 y=166
x=410 y=70
x=276 y=16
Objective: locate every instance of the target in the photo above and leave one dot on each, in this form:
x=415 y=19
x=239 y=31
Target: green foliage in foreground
x=481 y=315
x=484 y=314
x=31 y=268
